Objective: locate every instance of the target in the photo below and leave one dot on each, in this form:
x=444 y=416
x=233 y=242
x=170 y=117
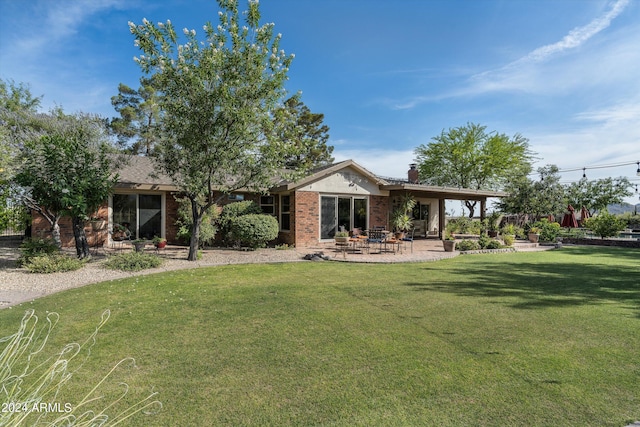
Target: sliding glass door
x=141 y=214
x=341 y=211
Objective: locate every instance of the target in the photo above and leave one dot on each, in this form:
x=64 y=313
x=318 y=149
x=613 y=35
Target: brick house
x=309 y=210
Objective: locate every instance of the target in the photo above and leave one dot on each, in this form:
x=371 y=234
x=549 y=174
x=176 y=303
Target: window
x=141 y=214
x=236 y=197
x=285 y=213
x=267 y=204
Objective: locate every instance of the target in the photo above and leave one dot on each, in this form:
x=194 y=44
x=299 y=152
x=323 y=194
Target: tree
x=596 y=195
x=605 y=224
x=221 y=103
x=137 y=126
x=16 y=103
x=470 y=157
x=17 y=97
x=67 y=172
x=529 y=198
x=309 y=134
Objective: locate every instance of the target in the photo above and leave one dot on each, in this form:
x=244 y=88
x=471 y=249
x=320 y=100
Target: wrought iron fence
x=14 y=219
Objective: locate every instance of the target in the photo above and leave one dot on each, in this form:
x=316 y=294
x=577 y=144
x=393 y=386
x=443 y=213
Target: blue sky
x=388 y=74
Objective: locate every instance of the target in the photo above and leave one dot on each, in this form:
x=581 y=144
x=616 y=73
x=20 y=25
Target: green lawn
x=520 y=339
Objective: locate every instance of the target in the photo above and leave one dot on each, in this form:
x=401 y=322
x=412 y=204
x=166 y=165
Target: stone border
x=489 y=251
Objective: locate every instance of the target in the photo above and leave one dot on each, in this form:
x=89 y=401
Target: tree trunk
x=55 y=233
x=471 y=206
x=195 y=232
x=82 y=245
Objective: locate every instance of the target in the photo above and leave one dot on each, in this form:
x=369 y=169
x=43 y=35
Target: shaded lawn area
x=544 y=339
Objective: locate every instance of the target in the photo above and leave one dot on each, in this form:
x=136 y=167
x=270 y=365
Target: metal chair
x=406 y=238
x=375 y=236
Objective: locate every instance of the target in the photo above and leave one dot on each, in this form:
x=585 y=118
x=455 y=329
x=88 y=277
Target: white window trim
x=280 y=212
x=352 y=197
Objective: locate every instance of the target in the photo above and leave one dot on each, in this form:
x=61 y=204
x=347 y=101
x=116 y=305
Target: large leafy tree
x=16 y=105
x=221 y=105
x=67 y=171
x=531 y=199
x=596 y=195
x=470 y=157
x=309 y=133
x=137 y=127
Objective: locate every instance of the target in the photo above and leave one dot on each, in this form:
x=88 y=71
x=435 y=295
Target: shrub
x=493 y=244
x=483 y=241
x=254 y=230
x=31 y=248
x=468 y=245
x=633 y=220
x=605 y=224
x=133 y=261
x=548 y=230
x=53 y=263
x=462 y=225
x=233 y=211
x=208 y=227
x=475 y=227
x=508 y=239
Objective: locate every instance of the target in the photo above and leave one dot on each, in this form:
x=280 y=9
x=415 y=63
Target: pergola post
x=441 y=218
x=483 y=209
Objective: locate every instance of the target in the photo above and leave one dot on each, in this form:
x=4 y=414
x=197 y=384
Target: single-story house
x=309 y=210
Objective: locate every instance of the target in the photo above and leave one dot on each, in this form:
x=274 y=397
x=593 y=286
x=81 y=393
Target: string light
x=584 y=172
x=638 y=171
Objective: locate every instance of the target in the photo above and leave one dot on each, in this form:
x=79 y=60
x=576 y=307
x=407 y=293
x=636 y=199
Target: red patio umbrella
x=569 y=219
x=584 y=214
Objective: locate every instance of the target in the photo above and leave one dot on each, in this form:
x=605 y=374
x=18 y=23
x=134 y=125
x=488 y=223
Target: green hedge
x=254 y=230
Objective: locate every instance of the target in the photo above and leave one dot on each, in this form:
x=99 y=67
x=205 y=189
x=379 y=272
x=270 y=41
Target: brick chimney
x=413 y=173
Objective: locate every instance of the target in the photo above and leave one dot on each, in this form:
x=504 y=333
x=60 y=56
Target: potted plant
x=401 y=217
x=341 y=237
x=139 y=244
x=159 y=242
x=118 y=232
x=534 y=234
x=401 y=223
x=449 y=242
x=493 y=224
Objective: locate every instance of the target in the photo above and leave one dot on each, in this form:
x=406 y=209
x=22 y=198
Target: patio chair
x=376 y=237
x=409 y=238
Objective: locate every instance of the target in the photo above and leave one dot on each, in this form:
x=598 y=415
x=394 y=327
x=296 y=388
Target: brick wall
x=305 y=218
x=40 y=228
x=378 y=211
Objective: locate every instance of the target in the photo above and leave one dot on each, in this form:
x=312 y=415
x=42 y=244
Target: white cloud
x=575 y=38
x=57 y=21
x=527 y=74
x=390 y=163
x=605 y=136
